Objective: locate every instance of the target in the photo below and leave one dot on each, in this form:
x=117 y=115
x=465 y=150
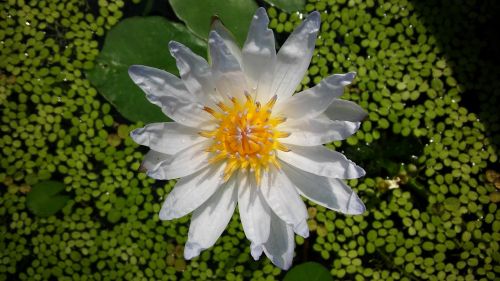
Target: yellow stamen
x=276 y=163
x=282 y=134
x=271 y=102
x=248 y=97
x=212 y=112
x=279 y=120
x=282 y=147
x=230 y=168
x=206 y=134
x=222 y=106
x=246 y=137
x=217 y=158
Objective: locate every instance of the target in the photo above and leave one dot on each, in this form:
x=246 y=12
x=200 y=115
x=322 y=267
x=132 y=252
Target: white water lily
x=241 y=138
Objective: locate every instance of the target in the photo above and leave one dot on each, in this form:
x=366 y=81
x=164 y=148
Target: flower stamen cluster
x=246 y=136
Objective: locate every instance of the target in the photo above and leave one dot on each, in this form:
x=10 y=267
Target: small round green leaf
x=452 y=203
x=311 y=271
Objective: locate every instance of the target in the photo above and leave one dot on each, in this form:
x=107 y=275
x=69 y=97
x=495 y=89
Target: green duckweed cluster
x=431 y=185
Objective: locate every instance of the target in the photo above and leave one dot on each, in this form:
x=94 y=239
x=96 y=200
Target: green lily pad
x=235 y=14
x=45 y=199
x=139 y=40
x=288 y=5
x=311 y=271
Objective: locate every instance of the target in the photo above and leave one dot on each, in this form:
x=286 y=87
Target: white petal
x=186 y=113
x=254 y=214
x=167 y=137
x=279 y=248
x=228 y=38
x=321 y=161
x=157 y=83
x=256 y=250
x=345 y=110
x=259 y=55
x=168 y=92
x=152 y=159
x=190 y=192
x=294 y=57
x=185 y=162
x=281 y=195
x=210 y=219
x=194 y=71
x=331 y=193
x=317 y=131
x=314 y=101
x=226 y=70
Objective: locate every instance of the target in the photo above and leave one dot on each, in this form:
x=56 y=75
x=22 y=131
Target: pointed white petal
x=190 y=192
x=254 y=214
x=168 y=137
x=259 y=55
x=281 y=195
x=168 y=92
x=210 y=219
x=321 y=161
x=228 y=38
x=226 y=70
x=294 y=57
x=280 y=246
x=317 y=131
x=331 y=193
x=157 y=83
x=192 y=250
x=256 y=250
x=152 y=159
x=194 y=71
x=345 y=110
x=183 y=163
x=186 y=113
x=314 y=101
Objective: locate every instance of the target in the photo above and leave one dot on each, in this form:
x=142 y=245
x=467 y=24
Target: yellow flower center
x=246 y=136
